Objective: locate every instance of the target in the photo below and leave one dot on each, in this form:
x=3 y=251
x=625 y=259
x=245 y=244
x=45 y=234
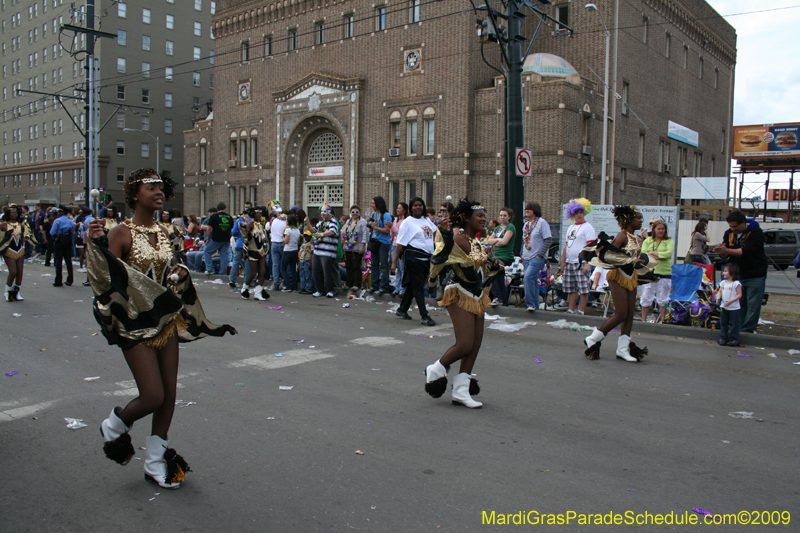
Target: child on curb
x=730 y=292
x=304 y=264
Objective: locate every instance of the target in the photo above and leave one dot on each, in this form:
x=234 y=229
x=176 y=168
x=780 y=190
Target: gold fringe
x=624 y=281
x=160 y=340
x=14 y=255
x=453 y=295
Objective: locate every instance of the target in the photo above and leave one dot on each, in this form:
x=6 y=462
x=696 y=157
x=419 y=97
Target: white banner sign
x=704 y=188
x=321 y=172
x=683 y=134
x=602 y=219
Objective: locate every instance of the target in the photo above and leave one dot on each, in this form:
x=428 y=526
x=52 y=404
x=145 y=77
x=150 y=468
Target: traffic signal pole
x=515 y=131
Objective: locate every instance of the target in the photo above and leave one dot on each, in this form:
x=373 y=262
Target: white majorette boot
x=257 y=293
x=436 y=379
x=461 y=392
x=162 y=465
x=245 y=291
x=16 y=290
x=118 y=445
x=7 y=294
x=593 y=344
x=623 y=349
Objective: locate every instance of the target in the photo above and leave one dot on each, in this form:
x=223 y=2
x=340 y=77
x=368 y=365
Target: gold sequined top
x=152 y=261
x=477 y=252
x=633 y=246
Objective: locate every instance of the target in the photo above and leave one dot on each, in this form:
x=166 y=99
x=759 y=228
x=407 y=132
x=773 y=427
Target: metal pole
x=791 y=200
x=766 y=196
x=89 y=100
x=741 y=186
x=606 y=89
x=515 y=133
x=158 y=156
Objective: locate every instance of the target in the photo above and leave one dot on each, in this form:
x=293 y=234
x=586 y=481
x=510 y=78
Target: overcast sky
x=767 y=66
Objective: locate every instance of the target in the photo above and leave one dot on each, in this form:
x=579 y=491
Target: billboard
x=783 y=195
x=704 y=188
x=767 y=141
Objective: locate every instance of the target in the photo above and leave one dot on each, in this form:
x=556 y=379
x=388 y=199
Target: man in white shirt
x=575 y=273
x=276 y=227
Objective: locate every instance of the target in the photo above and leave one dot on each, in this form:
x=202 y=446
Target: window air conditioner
x=231 y=163
x=667 y=167
x=587 y=150
x=394 y=152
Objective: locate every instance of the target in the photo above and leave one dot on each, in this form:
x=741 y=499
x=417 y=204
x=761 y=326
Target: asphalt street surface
x=357 y=445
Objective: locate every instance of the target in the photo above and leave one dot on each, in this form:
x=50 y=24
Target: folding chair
x=686 y=281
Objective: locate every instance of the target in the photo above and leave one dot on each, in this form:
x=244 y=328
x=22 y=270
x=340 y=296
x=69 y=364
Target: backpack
x=677 y=313
x=699 y=312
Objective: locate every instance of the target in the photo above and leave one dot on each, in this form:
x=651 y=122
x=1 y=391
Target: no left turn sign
x=523 y=163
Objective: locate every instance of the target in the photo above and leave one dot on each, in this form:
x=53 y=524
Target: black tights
x=624 y=307
x=257 y=268
x=15 y=267
x=469 y=335
x=156 y=375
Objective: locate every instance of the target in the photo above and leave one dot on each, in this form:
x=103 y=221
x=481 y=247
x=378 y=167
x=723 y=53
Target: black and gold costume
x=134 y=303
x=621 y=263
x=254 y=241
x=468 y=277
x=12 y=241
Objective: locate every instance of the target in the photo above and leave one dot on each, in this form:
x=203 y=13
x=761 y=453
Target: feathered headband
x=578 y=204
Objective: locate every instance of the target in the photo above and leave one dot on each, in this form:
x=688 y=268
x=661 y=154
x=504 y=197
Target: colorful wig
x=578 y=204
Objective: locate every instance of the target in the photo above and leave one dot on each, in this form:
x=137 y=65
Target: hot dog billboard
x=769 y=140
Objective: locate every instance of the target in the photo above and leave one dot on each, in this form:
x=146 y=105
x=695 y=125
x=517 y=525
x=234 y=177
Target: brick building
x=340 y=101
x=160 y=59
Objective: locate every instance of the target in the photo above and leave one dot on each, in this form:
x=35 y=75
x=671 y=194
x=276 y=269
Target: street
x=357 y=444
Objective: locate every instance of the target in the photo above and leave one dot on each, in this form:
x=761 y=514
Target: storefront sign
x=322 y=172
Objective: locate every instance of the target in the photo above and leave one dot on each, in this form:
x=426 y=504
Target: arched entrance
x=323 y=175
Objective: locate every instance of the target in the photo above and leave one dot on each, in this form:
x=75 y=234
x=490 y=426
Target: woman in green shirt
x=661 y=243
x=502 y=239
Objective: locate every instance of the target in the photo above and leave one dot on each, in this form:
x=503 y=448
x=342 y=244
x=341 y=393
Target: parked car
x=780 y=245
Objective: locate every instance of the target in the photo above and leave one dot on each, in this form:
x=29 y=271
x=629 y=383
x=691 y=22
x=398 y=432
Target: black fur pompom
x=474 y=388
x=176 y=466
x=637 y=352
x=120 y=450
x=593 y=352
x=437 y=387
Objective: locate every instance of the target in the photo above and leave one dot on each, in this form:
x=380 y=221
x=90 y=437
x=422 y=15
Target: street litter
x=75 y=423
x=270 y=418
x=9 y=374
x=240 y=384
x=270 y=307
x=184 y=403
x=16 y=315
x=740 y=354
x=359 y=452
x=87 y=380
x=537 y=360
x=345 y=305
x=741 y=414
x=761 y=322
x=285 y=387
x=792 y=363
x=701 y=511
x=215 y=282
x=794 y=352
x=502 y=326
x=47 y=275
x=278 y=355
x=487 y=316
x=563 y=324
x=78 y=301
x=774 y=356
x=253 y=331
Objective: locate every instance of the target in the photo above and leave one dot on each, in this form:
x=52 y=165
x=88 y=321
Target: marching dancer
x=145 y=305
x=468 y=278
x=626 y=264
x=253 y=236
x=14 y=233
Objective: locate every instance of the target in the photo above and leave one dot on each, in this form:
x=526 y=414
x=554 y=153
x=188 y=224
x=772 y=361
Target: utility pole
x=510 y=42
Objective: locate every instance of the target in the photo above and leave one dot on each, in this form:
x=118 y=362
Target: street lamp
x=604 y=163
x=155 y=138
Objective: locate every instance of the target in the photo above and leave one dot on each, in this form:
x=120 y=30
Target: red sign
x=523 y=163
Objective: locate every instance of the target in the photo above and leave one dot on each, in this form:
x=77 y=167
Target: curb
x=686 y=332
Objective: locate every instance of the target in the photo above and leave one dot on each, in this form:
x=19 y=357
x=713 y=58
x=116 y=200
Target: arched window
x=243 y=140
x=428 y=130
x=394 y=129
x=327 y=148
x=254 y=148
x=233 y=149
x=411 y=132
x=203 y=155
